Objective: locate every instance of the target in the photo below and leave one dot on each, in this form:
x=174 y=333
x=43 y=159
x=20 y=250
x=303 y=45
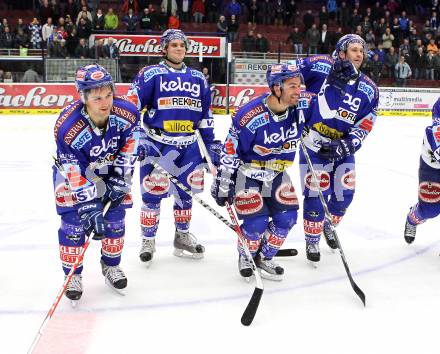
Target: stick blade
x=287 y=252
x=252 y=307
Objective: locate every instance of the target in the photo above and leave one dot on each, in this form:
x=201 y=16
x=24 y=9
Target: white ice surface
x=186 y=306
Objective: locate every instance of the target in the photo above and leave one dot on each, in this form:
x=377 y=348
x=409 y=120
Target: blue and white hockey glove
x=214 y=150
x=92 y=218
x=336 y=149
x=117 y=188
x=342 y=72
x=223 y=188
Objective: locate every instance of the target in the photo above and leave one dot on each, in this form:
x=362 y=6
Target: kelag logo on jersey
x=345 y=115
x=179 y=86
x=179 y=103
x=178 y=126
x=111 y=144
x=281 y=136
x=258 y=121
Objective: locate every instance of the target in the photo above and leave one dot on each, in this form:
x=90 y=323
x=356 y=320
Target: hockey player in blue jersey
x=261 y=144
x=177 y=99
x=96 y=140
x=347 y=104
x=428 y=206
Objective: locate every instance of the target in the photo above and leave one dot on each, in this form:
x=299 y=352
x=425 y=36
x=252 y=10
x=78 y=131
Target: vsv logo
x=98 y=150
x=167 y=86
x=282 y=136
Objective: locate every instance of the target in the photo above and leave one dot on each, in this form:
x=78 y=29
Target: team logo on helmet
x=97 y=75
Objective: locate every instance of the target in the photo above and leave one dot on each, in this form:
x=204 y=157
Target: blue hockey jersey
x=351 y=115
x=177 y=101
x=89 y=155
x=263 y=143
x=431 y=140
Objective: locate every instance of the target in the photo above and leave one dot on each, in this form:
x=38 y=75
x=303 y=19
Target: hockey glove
x=117 y=188
x=336 y=149
x=223 y=188
x=92 y=218
x=342 y=72
x=214 y=150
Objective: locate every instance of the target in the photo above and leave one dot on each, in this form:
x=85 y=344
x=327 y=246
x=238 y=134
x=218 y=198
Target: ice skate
x=148 y=247
x=74 y=289
x=114 y=277
x=269 y=269
x=185 y=245
x=313 y=254
x=329 y=236
x=410 y=232
x=245 y=267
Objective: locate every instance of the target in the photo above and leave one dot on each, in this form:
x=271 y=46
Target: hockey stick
x=75 y=265
x=252 y=307
x=356 y=288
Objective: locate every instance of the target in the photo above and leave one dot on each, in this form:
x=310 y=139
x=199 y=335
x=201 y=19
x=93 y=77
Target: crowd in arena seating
x=403 y=36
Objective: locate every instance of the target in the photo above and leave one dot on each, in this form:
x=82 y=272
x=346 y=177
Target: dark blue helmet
x=278 y=73
x=345 y=41
x=172 y=34
x=92 y=76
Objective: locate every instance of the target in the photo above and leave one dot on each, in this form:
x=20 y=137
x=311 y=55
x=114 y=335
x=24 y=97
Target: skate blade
x=185 y=254
x=268 y=276
x=118 y=291
x=314 y=265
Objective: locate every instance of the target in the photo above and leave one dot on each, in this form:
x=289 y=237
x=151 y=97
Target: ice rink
x=187 y=306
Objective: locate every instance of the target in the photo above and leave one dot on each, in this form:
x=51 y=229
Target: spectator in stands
x=70 y=26
x=291 y=13
x=413 y=37
x=404 y=24
x=355 y=20
x=233 y=29
x=375 y=68
x=174 y=21
x=267 y=12
x=97 y=50
x=427 y=28
x=82 y=51
x=84 y=28
x=370 y=39
x=377 y=12
x=308 y=20
x=45 y=11
x=222 y=25
x=35 y=35
x=404 y=49
x=429 y=66
x=30 y=75
x=332 y=7
x=70 y=8
x=212 y=10
x=7 y=39
x=418 y=64
x=254 y=9
x=47 y=31
x=402 y=72
x=234 y=8
x=98 y=21
x=110 y=49
x=324 y=40
x=262 y=44
x=130 y=20
x=21 y=39
x=433 y=21
x=437 y=66
x=53 y=48
x=387 y=39
x=279 y=10
x=296 y=38
x=392 y=5
x=391 y=59
x=8 y=78
x=198 y=10
x=111 y=20
x=205 y=72
x=72 y=42
x=130 y=4
x=169 y=6
x=248 y=43
x=343 y=15
x=366 y=26
x=84 y=13
x=312 y=38
x=185 y=11
x=380 y=27
x=162 y=19
x=21 y=25
x=323 y=16
x=432 y=47
x=147 y=21
x=336 y=36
